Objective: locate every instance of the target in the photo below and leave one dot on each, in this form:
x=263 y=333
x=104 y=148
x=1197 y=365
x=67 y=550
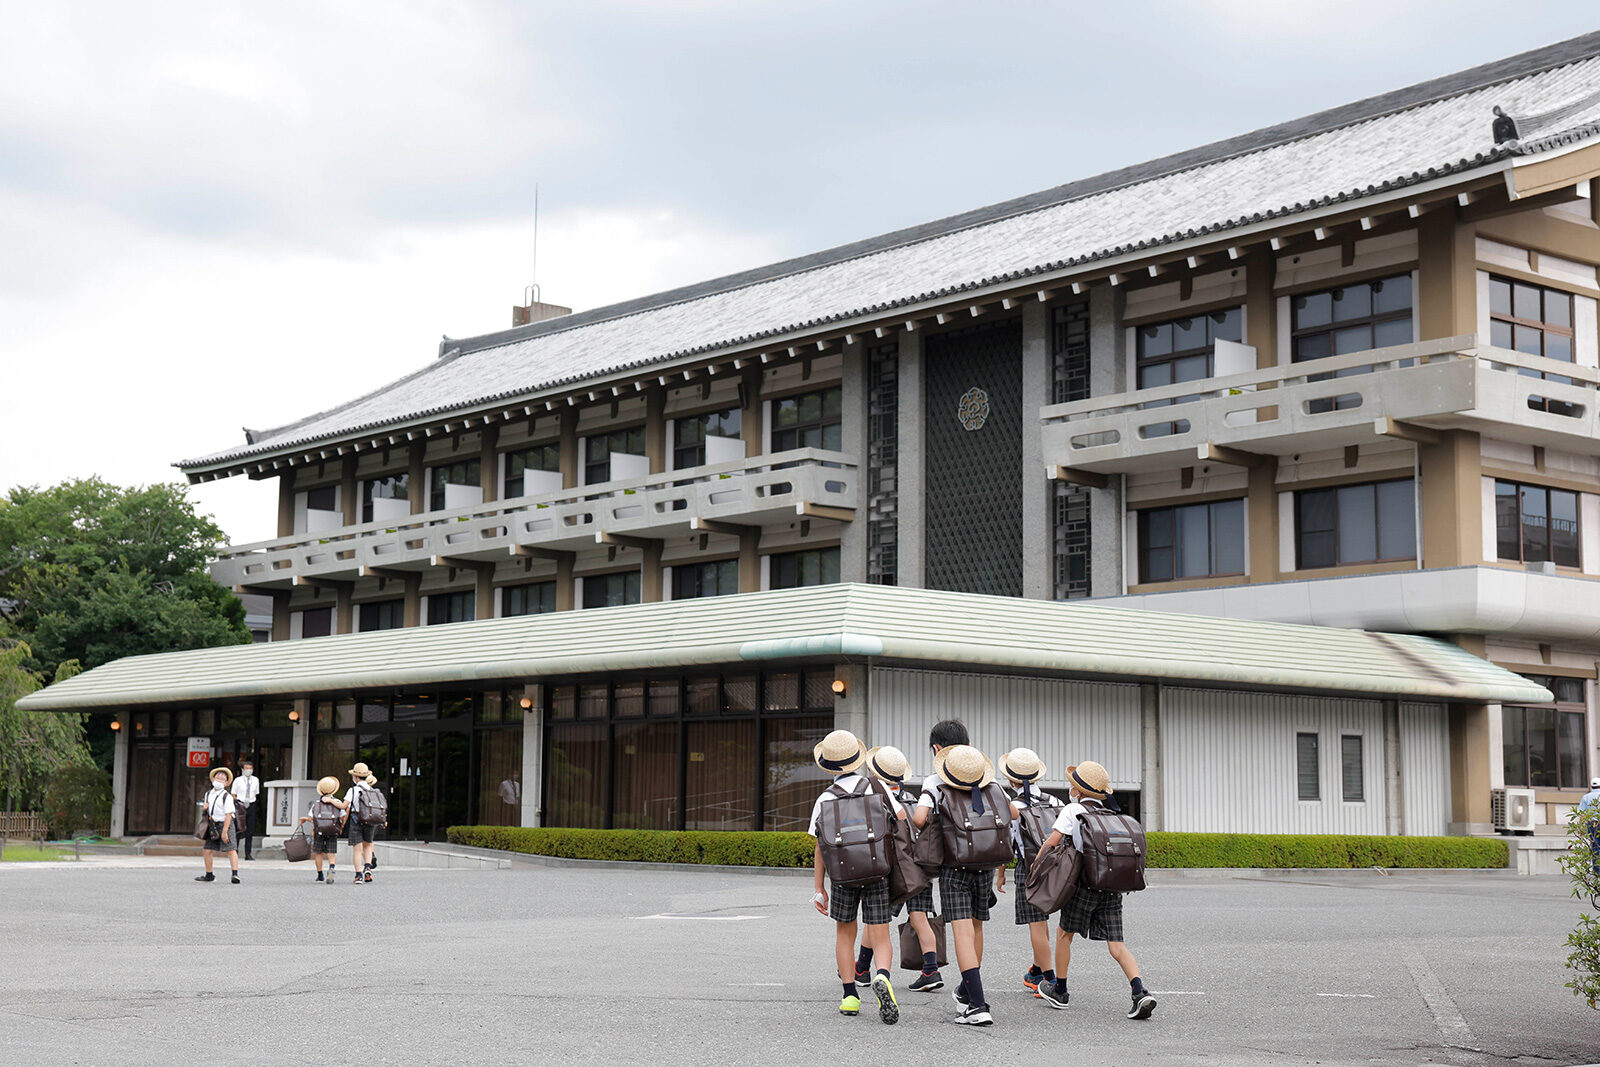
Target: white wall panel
x=1228 y=762
x=1425 y=768
x=1064 y=721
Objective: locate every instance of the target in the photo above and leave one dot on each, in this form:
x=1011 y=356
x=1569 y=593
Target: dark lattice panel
x=883 y=455
x=1069 y=349
x=973 y=458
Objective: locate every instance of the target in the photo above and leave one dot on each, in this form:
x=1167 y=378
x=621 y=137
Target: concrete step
x=170 y=850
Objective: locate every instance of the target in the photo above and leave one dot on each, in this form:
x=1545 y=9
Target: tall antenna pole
x=536 y=240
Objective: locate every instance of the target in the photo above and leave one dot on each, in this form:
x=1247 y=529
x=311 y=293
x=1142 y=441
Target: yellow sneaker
x=888 y=1006
x=850 y=1006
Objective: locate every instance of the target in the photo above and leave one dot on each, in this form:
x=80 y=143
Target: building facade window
x=532 y=598
x=599 y=448
x=1191 y=541
x=1371 y=522
x=1308 y=777
x=883 y=460
x=1356 y=317
x=1536 y=524
x=316 y=622
x=1183 y=350
x=689 y=436
x=1070 y=504
x=611 y=590
x=717 y=578
x=1536 y=321
x=452 y=607
x=466 y=473
x=544 y=458
x=395 y=488
x=810 y=420
x=812 y=566
x=1351 y=769
x=382 y=615
x=1545 y=746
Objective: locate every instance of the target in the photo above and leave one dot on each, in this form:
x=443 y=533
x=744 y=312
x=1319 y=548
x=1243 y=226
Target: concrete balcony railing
x=749 y=492
x=1404 y=391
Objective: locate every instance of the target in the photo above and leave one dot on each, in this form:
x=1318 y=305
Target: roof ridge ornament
x=1511 y=130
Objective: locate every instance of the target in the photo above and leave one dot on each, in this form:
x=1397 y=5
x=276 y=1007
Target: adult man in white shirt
x=246 y=789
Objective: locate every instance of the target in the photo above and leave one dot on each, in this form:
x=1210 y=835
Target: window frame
x=820 y=423
x=524 y=589
x=687 y=457
x=1377 y=531
x=454 y=598
x=1361 y=769
x=544 y=449
x=1541 y=325
x=395 y=604
x=436 y=499
x=1142 y=532
x=1316 y=767
x=1208 y=347
x=628 y=433
x=1549 y=497
x=606 y=576
x=401 y=478
x=1371 y=320
x=774 y=558
x=698 y=569
x=1559 y=710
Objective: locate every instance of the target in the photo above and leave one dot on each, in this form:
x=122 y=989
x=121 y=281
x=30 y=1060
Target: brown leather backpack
x=975 y=842
x=1034 y=823
x=1113 y=849
x=856 y=834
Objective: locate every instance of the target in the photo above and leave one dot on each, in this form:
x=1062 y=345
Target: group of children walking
x=982 y=829
x=362 y=811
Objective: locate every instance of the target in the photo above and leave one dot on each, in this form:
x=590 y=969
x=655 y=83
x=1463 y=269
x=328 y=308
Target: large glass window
x=382 y=615
x=813 y=566
x=1366 y=523
x=717 y=578
x=1182 y=350
x=452 y=607
x=611 y=590
x=533 y=598
x=1545 y=746
x=1535 y=524
x=599 y=449
x=544 y=458
x=575 y=787
x=394 y=488
x=689 y=436
x=464 y=472
x=316 y=622
x=810 y=420
x=720 y=786
x=500 y=777
x=793 y=778
x=646 y=777
x=1356 y=317
x=1191 y=541
x=1537 y=321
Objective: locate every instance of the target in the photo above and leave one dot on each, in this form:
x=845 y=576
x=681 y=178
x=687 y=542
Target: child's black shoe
x=1143 y=1006
x=927 y=982
x=1054 y=993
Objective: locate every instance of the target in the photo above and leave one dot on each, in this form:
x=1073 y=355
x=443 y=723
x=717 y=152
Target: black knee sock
x=1138 y=986
x=849 y=989
x=930 y=962
x=974 y=987
x=864 y=960
x=1035 y=969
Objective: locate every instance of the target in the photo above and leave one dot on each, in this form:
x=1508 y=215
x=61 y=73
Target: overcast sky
x=217 y=215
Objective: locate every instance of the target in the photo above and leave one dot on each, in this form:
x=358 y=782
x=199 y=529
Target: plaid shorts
x=872 y=899
x=1026 y=913
x=965 y=894
x=1094 y=914
x=328 y=844
x=922 y=901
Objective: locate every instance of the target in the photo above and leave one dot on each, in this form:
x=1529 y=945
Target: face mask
x=219 y=783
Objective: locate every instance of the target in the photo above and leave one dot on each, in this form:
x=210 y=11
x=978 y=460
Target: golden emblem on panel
x=973 y=411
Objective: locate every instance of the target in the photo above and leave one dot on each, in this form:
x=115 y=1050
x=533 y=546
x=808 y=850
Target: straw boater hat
x=359 y=771
x=888 y=763
x=1022 y=765
x=328 y=785
x=963 y=767
x=840 y=752
x=211 y=775
x=1090 y=777
x=371 y=779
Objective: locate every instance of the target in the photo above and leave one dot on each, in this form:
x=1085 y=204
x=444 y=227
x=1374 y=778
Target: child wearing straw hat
x=963 y=774
x=890 y=766
x=223 y=835
x=324 y=817
x=1095 y=914
x=360 y=833
x=842 y=755
x=1023 y=768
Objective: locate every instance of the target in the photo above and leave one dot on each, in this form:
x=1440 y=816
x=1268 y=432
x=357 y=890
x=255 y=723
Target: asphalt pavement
x=130 y=962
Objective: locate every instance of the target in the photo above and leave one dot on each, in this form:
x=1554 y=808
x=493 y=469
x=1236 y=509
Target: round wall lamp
x=527 y=703
x=838 y=687
x=116 y=725
x=294 y=716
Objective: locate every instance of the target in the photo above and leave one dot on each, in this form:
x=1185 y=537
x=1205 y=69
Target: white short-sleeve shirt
x=352 y=796
x=1067 y=823
x=930 y=791
x=846 y=782
x=219 y=804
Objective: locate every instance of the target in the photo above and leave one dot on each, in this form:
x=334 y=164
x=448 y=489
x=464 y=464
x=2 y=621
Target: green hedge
x=743 y=849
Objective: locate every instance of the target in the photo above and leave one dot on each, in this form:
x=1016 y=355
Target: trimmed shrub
x=78 y=798
x=751 y=849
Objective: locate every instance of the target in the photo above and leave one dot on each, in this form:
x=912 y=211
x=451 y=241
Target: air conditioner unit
x=1512 y=810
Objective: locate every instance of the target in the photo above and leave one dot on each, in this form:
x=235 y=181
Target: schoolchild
x=1095 y=914
x=961 y=774
x=223 y=834
x=360 y=834
x=326 y=816
x=842 y=755
x=372 y=850
x=889 y=765
x=945 y=733
x=1023 y=768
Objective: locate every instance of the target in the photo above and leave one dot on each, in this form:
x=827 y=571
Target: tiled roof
x=1388 y=142
x=886 y=623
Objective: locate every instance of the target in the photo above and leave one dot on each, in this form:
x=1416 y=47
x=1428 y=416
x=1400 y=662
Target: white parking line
x=1364 y=996
x=705 y=918
x=1175 y=993
x=1445 y=1013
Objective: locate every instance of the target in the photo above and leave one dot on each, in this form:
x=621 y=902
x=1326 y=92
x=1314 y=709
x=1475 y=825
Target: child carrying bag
x=1053 y=877
x=927 y=846
x=326 y=819
x=911 y=948
x=906 y=879
x=297 y=846
x=1113 y=849
x=1034 y=825
x=374 y=807
x=855 y=836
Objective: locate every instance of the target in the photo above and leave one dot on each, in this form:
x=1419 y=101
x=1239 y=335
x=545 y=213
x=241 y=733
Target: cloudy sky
x=217 y=215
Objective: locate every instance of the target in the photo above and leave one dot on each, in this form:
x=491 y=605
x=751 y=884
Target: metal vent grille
x=883 y=455
x=1069 y=346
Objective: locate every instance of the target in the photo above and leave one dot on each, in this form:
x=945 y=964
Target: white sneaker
x=972 y=1016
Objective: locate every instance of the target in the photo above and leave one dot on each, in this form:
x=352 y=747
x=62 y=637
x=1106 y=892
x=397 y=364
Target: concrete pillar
x=413 y=596
x=533 y=753
x=1450 y=500
x=752 y=428
x=750 y=559
x=286 y=503
x=850 y=708
x=489 y=462
x=1107 y=374
x=1470 y=759
x=349 y=496
x=1261 y=521
x=1150 y=753
x=119 y=774
x=417 y=477
x=484 y=590
x=300 y=742
x=853 y=402
x=566 y=588
x=651 y=574
x=569 y=448
x=1038 y=535
x=1394 y=797
x=655 y=428
x=344 y=608
x=1447 y=288
x=280 y=614
x=910 y=472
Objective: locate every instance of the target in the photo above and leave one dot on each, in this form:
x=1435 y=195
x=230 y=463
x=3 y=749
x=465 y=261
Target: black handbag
x=202 y=829
x=1053 y=877
x=911 y=948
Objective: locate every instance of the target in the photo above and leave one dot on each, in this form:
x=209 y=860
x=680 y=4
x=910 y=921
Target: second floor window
x=705 y=579
x=452 y=607
x=1350 y=524
x=1545 y=746
x=1535 y=524
x=1191 y=541
x=810 y=420
x=382 y=615
x=466 y=473
x=690 y=434
x=598 y=450
x=394 y=488
x=1183 y=350
x=1352 y=318
x=611 y=590
x=544 y=459
x=1536 y=321
x=534 y=598
x=812 y=566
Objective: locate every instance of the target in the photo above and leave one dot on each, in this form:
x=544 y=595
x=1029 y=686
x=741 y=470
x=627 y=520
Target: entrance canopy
x=848 y=621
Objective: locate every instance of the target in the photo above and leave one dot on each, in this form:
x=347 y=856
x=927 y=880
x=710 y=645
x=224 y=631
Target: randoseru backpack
x=374 y=807
x=325 y=818
x=1034 y=824
x=855 y=830
x=975 y=842
x=1113 y=850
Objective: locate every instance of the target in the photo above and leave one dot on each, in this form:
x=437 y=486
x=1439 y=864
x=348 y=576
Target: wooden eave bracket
x=1384 y=426
x=626 y=540
x=824 y=511
x=1076 y=476
x=720 y=526
x=557 y=554
x=1233 y=457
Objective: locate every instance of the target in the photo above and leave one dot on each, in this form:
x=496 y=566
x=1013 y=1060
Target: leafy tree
x=1582 y=862
x=34 y=745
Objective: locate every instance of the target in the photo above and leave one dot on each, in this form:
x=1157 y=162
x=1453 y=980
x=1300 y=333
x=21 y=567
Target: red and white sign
x=200 y=752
